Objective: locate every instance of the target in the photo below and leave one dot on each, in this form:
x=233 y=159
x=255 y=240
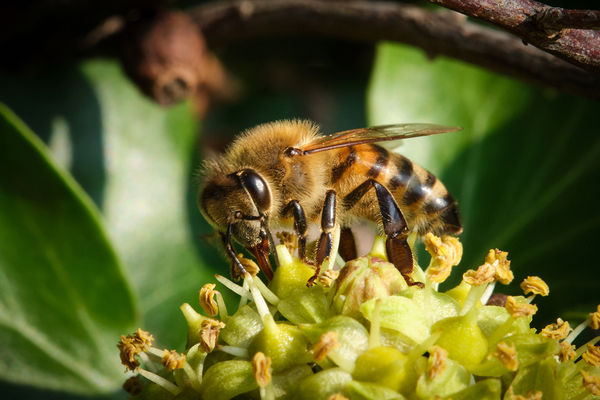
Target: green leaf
x=149 y=199
x=136 y=160
x=64 y=300
x=523 y=169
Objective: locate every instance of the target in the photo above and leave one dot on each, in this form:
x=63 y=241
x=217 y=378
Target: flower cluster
x=363 y=333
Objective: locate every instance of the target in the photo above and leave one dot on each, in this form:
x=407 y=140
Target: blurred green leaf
x=136 y=160
x=524 y=169
x=149 y=199
x=64 y=300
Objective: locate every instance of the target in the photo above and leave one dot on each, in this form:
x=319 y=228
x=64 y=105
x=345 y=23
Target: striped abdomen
x=423 y=199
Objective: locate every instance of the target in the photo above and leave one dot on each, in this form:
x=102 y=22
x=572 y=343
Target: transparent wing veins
x=374 y=134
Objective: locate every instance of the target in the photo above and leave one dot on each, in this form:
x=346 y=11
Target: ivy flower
x=363 y=333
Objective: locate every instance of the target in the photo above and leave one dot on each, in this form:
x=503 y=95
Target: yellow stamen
x=249 y=265
x=131 y=345
x=535 y=285
x=507 y=355
x=436 y=364
x=595 y=319
x=172 y=360
x=445 y=253
x=207 y=299
x=209 y=334
x=438 y=272
x=566 y=352
x=592 y=355
x=327 y=343
x=517 y=310
x=503 y=274
x=484 y=274
x=328 y=277
x=591 y=382
x=261 y=366
x=558 y=330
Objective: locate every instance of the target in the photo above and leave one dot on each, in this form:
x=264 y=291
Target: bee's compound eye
x=257 y=188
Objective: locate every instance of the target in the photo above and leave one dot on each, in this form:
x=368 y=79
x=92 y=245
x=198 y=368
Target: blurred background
x=110 y=107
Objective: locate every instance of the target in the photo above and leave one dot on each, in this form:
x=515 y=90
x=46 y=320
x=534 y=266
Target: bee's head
x=238 y=199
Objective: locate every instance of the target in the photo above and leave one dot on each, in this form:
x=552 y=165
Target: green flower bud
x=400 y=314
x=492 y=318
x=194 y=321
x=371 y=391
x=540 y=376
x=228 y=379
x=284 y=343
x=291 y=276
x=308 y=306
x=287 y=381
x=434 y=305
x=386 y=366
x=352 y=338
x=323 y=384
x=241 y=327
x=363 y=279
x=532 y=348
x=488 y=389
x=442 y=379
x=463 y=339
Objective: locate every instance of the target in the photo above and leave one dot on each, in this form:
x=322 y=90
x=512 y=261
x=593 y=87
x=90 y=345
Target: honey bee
x=286 y=174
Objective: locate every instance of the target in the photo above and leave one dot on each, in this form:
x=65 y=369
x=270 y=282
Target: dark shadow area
x=62 y=95
x=536 y=198
x=21 y=392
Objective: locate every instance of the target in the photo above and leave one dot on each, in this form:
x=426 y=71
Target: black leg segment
x=300 y=226
x=325 y=243
x=347 y=247
x=394 y=225
x=237 y=269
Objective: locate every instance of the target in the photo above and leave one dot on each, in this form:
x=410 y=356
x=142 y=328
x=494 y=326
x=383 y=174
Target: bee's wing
x=373 y=134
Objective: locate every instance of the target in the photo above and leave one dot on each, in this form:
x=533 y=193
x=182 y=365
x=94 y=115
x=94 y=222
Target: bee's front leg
x=237 y=269
x=300 y=226
x=328 y=227
x=261 y=253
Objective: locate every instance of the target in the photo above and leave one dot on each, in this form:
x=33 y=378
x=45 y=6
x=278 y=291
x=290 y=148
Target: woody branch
x=438 y=33
x=567 y=34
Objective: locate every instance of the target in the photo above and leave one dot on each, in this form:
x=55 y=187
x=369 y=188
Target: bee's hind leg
x=394 y=225
x=347 y=249
x=326 y=245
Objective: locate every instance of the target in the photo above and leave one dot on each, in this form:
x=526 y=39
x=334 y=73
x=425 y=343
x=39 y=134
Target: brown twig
x=438 y=33
x=556 y=19
x=535 y=23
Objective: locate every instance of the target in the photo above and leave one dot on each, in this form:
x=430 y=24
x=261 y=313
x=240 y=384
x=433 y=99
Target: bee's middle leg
x=328 y=227
x=394 y=225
